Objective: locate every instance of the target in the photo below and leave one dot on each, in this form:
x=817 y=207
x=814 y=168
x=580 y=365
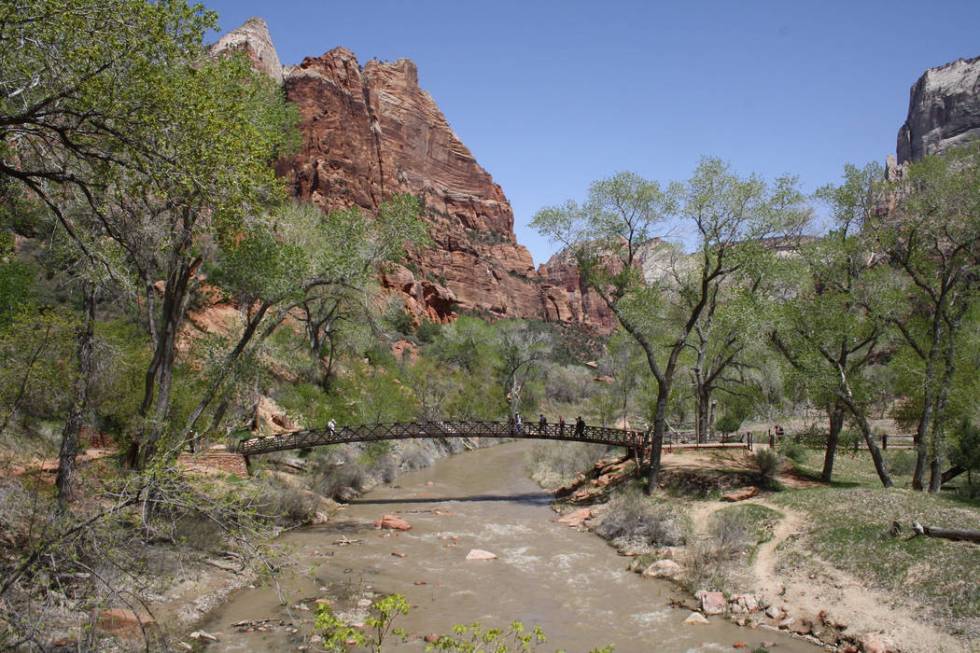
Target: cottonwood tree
x=932 y=236
x=350 y=248
x=826 y=325
x=612 y=237
x=521 y=352
x=115 y=101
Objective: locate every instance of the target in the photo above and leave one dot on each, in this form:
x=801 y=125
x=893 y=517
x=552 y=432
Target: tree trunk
x=703 y=414
x=659 y=428
x=251 y=324
x=879 y=461
x=937 y=445
x=76 y=414
x=928 y=395
x=836 y=415
x=159 y=376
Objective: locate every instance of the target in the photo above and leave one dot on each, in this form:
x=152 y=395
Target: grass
x=850 y=469
x=850 y=530
x=757 y=521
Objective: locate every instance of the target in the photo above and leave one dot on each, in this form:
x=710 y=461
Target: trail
x=806 y=588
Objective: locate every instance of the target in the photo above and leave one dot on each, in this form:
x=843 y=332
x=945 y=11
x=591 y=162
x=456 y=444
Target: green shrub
x=728 y=424
x=632 y=517
x=901 y=463
x=767 y=461
x=428 y=331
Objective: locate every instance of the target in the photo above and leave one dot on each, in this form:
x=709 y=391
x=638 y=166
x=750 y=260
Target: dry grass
x=719 y=560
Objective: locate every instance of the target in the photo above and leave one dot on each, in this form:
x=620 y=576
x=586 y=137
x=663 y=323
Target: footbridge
x=309 y=438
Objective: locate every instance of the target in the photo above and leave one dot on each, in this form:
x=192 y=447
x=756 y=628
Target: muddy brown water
x=569 y=582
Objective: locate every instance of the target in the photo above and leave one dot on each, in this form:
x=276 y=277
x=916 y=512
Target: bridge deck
x=308 y=438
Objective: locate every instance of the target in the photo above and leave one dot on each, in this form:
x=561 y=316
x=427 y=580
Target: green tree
x=657 y=294
x=932 y=235
x=827 y=327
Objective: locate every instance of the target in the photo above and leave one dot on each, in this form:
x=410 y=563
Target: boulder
x=876 y=643
x=712 y=602
x=480 y=554
x=576 y=518
x=391 y=522
x=696 y=619
x=743 y=603
x=663 y=569
x=123 y=622
x=741 y=494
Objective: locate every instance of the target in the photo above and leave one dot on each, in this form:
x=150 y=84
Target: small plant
x=767 y=462
x=339 y=636
x=383 y=614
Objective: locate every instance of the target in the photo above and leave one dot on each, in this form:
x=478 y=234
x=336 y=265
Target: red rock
x=576 y=518
x=391 y=522
x=431 y=638
x=875 y=643
x=122 y=622
x=740 y=645
x=398 y=554
x=741 y=494
x=712 y=602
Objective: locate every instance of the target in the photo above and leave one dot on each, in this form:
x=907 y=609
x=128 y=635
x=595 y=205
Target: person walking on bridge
x=518 y=424
x=542 y=424
x=579 y=427
x=561 y=425
x=332 y=427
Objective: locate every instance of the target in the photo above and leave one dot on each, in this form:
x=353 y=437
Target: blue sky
x=550 y=95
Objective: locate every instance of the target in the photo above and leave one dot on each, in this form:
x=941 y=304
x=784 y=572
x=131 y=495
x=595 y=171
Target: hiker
x=542 y=423
x=517 y=423
x=332 y=427
x=561 y=425
x=579 y=426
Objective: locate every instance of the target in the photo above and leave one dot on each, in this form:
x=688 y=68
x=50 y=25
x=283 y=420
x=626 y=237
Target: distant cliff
x=944 y=110
x=370 y=131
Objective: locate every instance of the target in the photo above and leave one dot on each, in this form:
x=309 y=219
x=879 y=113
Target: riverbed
x=571 y=583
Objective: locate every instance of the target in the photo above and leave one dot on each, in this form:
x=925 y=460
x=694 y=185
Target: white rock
x=696 y=619
x=480 y=554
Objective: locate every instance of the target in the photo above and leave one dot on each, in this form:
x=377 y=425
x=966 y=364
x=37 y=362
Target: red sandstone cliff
x=370 y=132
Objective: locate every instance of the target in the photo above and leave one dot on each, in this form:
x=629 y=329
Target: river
x=569 y=582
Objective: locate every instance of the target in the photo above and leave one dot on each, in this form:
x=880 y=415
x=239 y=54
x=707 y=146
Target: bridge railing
x=308 y=438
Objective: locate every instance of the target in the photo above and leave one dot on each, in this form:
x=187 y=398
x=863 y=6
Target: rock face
x=254 y=40
x=568 y=298
x=944 y=110
x=368 y=132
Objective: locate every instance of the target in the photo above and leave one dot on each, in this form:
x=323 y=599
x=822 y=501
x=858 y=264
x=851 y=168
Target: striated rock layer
x=944 y=110
x=369 y=132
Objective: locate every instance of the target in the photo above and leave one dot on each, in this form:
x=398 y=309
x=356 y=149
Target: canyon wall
x=944 y=110
x=369 y=132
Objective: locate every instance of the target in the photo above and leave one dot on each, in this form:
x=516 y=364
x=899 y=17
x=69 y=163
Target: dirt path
x=804 y=589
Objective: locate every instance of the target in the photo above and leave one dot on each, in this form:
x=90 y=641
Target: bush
x=728 y=424
x=901 y=463
x=284 y=504
x=632 y=517
x=792 y=450
x=767 y=461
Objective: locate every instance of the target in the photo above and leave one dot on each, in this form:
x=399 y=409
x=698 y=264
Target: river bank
x=764 y=560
